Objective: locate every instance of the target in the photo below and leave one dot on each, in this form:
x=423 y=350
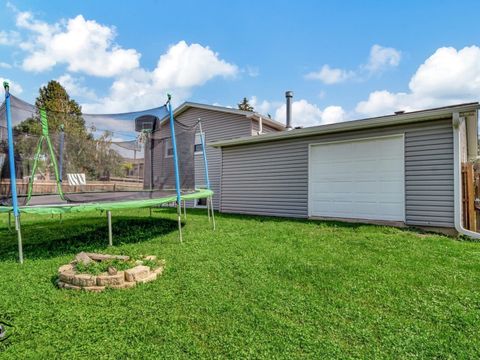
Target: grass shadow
x=279 y=219
x=46 y=239
x=338 y=224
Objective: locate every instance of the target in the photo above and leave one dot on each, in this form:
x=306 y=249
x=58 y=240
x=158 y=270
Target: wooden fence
x=470 y=190
x=50 y=187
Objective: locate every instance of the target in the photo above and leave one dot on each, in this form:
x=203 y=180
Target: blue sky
x=343 y=60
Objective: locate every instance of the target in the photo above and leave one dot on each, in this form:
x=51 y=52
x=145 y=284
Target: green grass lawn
x=256 y=287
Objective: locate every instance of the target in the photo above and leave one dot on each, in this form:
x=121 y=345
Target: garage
x=400 y=169
x=359 y=179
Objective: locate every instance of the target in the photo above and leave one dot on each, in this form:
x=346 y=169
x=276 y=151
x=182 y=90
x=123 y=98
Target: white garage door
x=362 y=179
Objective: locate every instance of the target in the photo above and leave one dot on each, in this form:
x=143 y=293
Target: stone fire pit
x=96 y=272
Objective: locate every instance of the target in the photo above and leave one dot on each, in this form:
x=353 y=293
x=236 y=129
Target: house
x=218 y=123
x=401 y=169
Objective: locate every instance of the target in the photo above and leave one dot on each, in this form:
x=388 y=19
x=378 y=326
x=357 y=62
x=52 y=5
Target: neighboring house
x=401 y=169
x=218 y=123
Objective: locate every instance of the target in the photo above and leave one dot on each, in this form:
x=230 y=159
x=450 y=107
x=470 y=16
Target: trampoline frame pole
x=213 y=212
x=207 y=178
x=208 y=210
x=205 y=161
x=46 y=135
x=60 y=153
x=110 y=235
x=13 y=173
x=175 y=163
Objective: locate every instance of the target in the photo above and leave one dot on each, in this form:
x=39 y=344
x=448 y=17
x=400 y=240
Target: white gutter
x=260 y=126
x=457 y=177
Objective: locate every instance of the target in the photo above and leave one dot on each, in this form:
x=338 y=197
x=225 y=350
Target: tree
x=81 y=152
x=62 y=111
x=128 y=166
x=245 y=105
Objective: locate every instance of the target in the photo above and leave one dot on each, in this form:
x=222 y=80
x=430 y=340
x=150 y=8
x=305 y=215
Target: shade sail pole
x=175 y=164
x=13 y=173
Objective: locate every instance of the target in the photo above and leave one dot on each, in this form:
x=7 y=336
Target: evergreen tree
x=82 y=153
x=245 y=105
x=62 y=111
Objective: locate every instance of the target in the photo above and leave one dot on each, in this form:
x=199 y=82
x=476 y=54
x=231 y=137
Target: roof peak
x=248 y=114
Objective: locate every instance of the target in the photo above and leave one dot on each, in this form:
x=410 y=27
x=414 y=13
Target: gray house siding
x=271 y=178
x=429 y=188
x=217 y=126
x=266 y=128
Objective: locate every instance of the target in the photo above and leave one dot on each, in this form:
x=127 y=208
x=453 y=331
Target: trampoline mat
x=53 y=204
x=98 y=197
x=92 y=197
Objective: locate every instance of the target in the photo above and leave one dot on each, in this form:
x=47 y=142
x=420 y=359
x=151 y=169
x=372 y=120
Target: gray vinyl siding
x=429 y=188
x=217 y=126
x=271 y=178
x=266 y=128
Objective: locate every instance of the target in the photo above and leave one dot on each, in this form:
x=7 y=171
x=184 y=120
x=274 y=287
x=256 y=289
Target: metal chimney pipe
x=289 y=96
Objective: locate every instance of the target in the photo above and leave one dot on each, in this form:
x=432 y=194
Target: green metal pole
x=34 y=168
x=44 y=120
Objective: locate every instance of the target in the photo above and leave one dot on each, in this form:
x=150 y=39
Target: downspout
x=260 y=126
x=457 y=178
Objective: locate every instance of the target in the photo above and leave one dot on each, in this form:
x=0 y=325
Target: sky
x=343 y=60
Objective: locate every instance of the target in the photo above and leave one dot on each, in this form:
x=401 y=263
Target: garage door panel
x=329 y=152
x=352 y=210
x=360 y=179
x=331 y=187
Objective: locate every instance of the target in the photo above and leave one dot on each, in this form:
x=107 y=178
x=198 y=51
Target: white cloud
x=446 y=77
x=4 y=65
x=332 y=114
x=307 y=114
x=75 y=88
x=185 y=66
x=252 y=71
x=449 y=73
x=381 y=102
x=88 y=47
x=9 y=37
x=382 y=57
x=329 y=75
x=119 y=127
x=178 y=71
x=264 y=107
x=15 y=88
x=84 y=45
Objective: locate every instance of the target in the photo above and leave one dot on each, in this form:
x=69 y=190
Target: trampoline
x=58 y=161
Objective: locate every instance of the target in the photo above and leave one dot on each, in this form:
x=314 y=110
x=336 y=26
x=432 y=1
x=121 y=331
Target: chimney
x=289 y=96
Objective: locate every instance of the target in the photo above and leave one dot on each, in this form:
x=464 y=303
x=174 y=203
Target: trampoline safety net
x=63 y=157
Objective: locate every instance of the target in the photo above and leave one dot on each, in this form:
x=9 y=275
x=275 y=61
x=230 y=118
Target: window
x=201 y=202
x=168 y=148
x=198 y=143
